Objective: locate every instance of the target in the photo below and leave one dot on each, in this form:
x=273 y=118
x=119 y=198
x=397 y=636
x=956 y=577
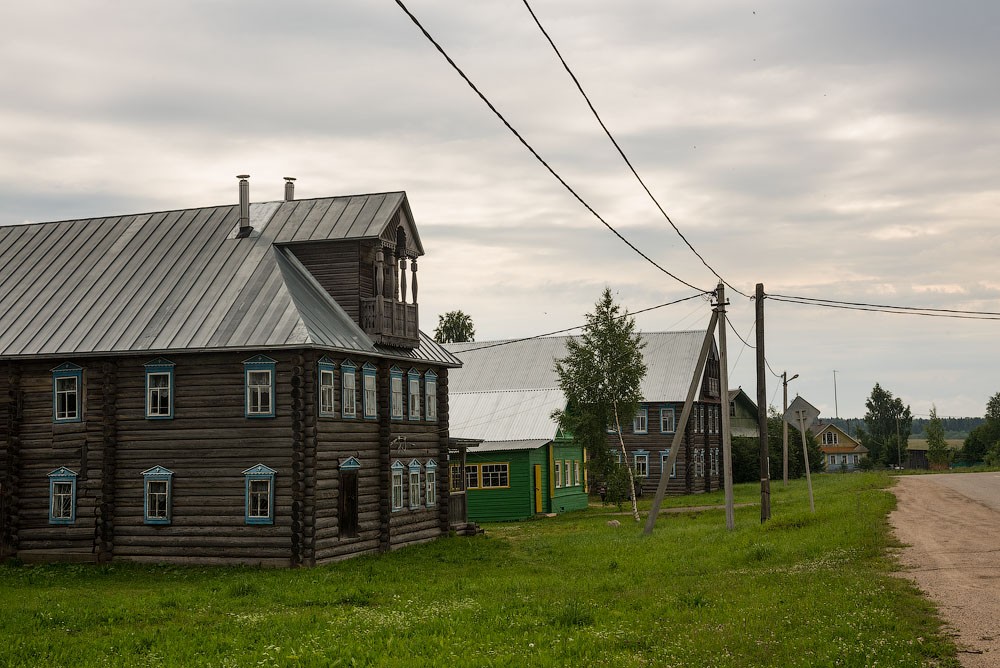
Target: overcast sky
x=842 y=149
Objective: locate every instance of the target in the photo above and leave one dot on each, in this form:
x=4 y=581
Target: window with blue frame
x=397 y=485
x=414 y=484
x=62 y=496
x=258 y=374
x=430 y=393
x=259 y=494
x=370 y=399
x=430 y=476
x=395 y=393
x=664 y=456
x=157 y=483
x=159 y=389
x=640 y=423
x=413 y=381
x=641 y=461
x=668 y=421
x=348 y=390
x=327 y=380
x=67 y=393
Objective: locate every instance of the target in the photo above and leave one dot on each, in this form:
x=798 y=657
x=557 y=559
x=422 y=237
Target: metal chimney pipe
x=245 y=228
x=289 y=188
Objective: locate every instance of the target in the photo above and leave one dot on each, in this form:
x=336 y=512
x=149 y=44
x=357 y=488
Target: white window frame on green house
x=430 y=478
x=395 y=393
x=640 y=460
x=62 y=496
x=397 y=485
x=414 y=491
x=259 y=494
x=558 y=473
x=472 y=470
x=640 y=423
x=430 y=396
x=668 y=427
x=576 y=472
x=159 y=389
x=348 y=390
x=157 y=484
x=327 y=388
x=499 y=469
x=569 y=474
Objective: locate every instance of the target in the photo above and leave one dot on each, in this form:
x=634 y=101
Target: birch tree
x=600 y=377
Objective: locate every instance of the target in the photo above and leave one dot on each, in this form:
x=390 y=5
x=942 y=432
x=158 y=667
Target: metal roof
x=504 y=416
x=180 y=280
x=519 y=365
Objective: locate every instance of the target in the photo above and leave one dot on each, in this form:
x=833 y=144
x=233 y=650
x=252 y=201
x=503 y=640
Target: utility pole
x=765 y=473
x=727 y=431
x=836 y=411
x=785 y=380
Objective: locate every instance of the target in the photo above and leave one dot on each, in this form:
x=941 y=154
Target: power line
x=886 y=308
x=570 y=329
x=622 y=152
x=535 y=153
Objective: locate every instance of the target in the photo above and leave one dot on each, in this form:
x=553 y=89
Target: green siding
x=518 y=501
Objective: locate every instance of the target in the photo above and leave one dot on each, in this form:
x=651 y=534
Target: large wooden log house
x=233 y=384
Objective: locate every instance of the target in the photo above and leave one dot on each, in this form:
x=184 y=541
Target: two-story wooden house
x=505 y=393
x=243 y=383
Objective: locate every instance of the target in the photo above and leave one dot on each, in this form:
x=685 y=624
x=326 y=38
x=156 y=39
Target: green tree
x=937 y=450
x=886 y=418
x=986 y=437
x=600 y=377
x=746 y=452
x=454 y=327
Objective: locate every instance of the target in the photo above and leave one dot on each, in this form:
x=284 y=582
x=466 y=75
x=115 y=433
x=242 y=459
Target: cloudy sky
x=845 y=150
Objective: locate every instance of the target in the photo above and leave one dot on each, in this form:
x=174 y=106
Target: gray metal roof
x=519 y=365
x=504 y=416
x=180 y=280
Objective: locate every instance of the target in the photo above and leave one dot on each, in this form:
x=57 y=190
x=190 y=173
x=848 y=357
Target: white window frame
x=67 y=382
x=397 y=485
x=348 y=391
x=576 y=472
x=430 y=478
x=502 y=472
x=641 y=463
x=414 y=487
x=370 y=389
x=62 y=496
x=569 y=473
x=396 y=394
x=664 y=455
x=640 y=423
x=156 y=407
x=558 y=473
x=413 y=395
x=156 y=505
x=473 y=470
x=430 y=395
x=327 y=392
x=258 y=491
x=668 y=412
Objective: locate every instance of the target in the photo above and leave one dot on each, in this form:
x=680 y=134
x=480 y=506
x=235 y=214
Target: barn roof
x=181 y=280
x=506 y=391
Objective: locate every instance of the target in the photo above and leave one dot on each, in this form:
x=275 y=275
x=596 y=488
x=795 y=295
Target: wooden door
x=538 y=488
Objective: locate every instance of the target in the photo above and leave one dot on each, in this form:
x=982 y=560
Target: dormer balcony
x=390 y=322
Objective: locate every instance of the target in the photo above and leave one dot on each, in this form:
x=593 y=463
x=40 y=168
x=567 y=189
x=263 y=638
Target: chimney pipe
x=289 y=188
x=245 y=228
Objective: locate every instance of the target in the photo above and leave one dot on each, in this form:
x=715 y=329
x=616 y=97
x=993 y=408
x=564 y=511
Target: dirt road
x=951 y=525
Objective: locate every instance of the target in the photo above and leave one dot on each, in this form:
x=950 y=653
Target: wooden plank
x=316 y=215
x=328 y=223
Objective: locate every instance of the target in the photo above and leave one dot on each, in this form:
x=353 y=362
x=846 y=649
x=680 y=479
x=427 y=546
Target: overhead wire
x=621 y=152
x=887 y=308
x=535 y=153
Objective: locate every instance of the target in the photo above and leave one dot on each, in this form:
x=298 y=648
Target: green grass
x=802 y=590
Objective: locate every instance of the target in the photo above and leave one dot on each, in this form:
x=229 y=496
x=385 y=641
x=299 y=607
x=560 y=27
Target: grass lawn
x=802 y=590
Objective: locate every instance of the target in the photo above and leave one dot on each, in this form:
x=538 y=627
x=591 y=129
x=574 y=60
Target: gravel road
x=951 y=526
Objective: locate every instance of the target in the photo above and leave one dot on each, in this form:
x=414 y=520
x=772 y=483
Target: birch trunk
x=628 y=466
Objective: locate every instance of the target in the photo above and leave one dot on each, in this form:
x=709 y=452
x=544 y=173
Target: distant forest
x=953 y=427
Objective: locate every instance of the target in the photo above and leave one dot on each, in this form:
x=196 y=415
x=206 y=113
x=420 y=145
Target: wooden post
x=784 y=429
x=765 y=473
x=727 y=432
x=805 y=460
x=681 y=426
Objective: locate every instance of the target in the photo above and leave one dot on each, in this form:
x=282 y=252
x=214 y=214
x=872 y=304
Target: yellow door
x=538 y=488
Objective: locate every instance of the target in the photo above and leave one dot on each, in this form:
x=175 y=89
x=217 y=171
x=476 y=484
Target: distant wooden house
x=243 y=383
x=841 y=451
x=743 y=418
x=916 y=452
x=524 y=389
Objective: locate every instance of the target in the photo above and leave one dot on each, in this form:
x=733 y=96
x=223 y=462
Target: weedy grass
x=800 y=590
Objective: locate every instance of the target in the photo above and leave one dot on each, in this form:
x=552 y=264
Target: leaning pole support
x=682 y=424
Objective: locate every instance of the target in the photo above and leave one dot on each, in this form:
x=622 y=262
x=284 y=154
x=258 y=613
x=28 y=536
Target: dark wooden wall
x=208 y=444
x=337 y=267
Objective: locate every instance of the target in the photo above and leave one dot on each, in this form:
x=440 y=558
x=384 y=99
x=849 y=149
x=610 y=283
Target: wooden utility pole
x=727 y=453
x=784 y=429
x=765 y=474
x=682 y=424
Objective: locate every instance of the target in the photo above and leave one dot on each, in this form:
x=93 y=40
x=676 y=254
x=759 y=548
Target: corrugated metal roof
x=670 y=359
x=504 y=415
x=179 y=280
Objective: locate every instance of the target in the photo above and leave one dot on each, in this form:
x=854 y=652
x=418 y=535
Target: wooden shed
x=244 y=383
